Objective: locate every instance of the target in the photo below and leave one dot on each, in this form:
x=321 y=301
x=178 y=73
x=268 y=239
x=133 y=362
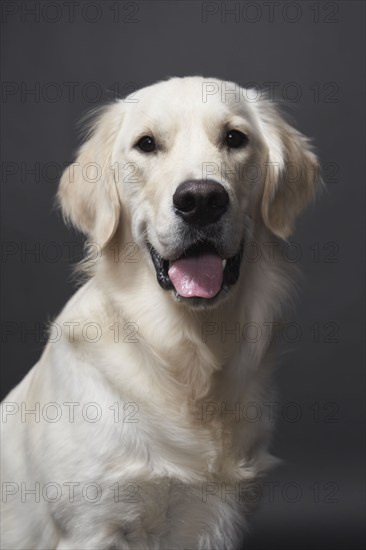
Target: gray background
x=314 y=52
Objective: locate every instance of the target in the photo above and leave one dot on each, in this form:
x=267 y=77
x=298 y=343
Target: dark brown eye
x=146 y=144
x=235 y=139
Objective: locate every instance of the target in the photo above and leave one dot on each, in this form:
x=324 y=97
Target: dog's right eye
x=146 y=144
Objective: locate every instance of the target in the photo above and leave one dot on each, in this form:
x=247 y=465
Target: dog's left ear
x=292 y=173
x=87 y=193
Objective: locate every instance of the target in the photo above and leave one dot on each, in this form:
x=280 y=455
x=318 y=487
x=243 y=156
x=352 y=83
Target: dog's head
x=195 y=163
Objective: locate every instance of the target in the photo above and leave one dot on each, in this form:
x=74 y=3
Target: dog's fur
x=179 y=458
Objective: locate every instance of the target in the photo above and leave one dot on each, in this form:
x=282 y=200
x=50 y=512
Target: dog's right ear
x=87 y=192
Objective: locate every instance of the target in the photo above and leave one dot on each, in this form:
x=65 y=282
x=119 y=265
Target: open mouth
x=200 y=272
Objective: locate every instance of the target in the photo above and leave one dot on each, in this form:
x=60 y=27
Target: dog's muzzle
x=200 y=272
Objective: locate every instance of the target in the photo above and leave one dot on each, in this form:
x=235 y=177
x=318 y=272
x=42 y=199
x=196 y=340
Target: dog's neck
x=205 y=341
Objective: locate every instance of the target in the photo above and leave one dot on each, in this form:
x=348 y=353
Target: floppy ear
x=87 y=192
x=291 y=173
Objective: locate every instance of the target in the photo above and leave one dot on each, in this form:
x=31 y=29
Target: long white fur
x=182 y=469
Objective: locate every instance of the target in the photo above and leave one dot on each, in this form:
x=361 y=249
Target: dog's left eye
x=235 y=139
x=146 y=144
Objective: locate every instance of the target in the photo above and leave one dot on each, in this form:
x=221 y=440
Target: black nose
x=200 y=202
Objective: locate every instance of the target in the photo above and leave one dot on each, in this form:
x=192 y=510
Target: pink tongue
x=198 y=276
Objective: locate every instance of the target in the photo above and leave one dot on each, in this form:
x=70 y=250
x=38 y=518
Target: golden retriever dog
x=144 y=422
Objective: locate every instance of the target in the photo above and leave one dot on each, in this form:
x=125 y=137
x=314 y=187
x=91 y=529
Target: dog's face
x=188 y=195
x=195 y=168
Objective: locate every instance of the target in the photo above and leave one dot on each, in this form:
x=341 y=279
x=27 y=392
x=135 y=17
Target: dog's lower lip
x=161 y=267
x=231 y=268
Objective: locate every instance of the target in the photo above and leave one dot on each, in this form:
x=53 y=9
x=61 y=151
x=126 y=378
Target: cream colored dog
x=134 y=429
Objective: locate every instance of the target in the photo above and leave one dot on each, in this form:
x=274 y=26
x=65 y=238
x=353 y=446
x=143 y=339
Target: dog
x=130 y=432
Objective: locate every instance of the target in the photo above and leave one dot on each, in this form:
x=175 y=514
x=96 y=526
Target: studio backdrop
x=61 y=59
